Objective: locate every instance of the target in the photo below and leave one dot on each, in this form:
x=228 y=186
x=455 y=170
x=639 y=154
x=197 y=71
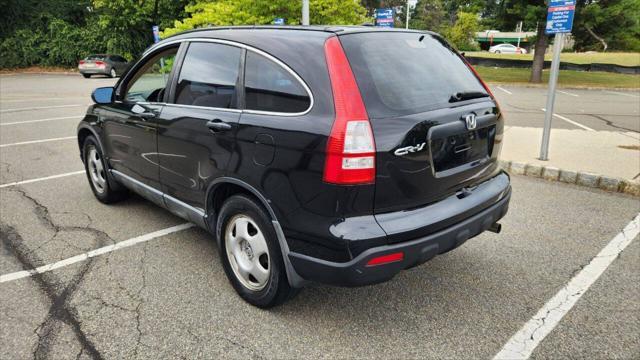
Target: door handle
x=217 y=125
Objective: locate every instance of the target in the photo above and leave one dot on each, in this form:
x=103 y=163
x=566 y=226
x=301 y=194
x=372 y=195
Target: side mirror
x=103 y=95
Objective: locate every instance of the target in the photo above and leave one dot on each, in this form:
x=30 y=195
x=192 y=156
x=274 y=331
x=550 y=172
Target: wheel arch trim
x=295 y=280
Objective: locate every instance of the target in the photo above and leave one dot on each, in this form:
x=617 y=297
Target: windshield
x=406 y=73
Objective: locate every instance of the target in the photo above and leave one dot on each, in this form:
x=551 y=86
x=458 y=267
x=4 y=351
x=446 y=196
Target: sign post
x=559 y=22
x=384 y=17
x=156 y=33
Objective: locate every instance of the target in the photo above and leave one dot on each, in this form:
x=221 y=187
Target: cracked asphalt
x=169 y=297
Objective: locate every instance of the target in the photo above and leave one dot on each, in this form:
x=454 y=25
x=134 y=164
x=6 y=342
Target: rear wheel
x=497 y=51
x=112 y=73
x=103 y=186
x=251 y=254
x=86 y=76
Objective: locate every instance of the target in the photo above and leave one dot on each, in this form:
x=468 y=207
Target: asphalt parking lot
x=168 y=297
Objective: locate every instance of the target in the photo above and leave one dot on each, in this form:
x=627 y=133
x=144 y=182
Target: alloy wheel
x=96 y=170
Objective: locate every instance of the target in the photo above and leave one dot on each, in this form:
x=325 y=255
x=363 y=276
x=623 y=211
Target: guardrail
x=512 y=63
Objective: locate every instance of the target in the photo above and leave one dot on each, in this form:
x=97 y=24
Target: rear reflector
x=351 y=150
x=386 y=259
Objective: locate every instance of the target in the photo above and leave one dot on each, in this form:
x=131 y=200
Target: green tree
x=262 y=12
x=462 y=33
x=430 y=15
x=607 y=24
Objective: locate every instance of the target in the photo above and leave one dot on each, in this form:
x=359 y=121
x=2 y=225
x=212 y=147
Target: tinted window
x=406 y=73
x=96 y=57
x=149 y=82
x=208 y=76
x=269 y=87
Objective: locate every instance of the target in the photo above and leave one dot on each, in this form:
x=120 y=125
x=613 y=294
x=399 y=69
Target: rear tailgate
x=428 y=145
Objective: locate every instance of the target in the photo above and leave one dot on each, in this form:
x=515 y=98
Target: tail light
x=386 y=259
x=81 y=62
x=351 y=151
x=100 y=63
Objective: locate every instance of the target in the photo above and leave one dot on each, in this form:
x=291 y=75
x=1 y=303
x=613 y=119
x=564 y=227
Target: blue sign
x=278 y=21
x=156 y=33
x=384 y=17
x=560 y=16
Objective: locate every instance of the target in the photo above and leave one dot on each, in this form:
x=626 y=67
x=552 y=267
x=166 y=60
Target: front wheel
x=251 y=254
x=103 y=187
x=497 y=52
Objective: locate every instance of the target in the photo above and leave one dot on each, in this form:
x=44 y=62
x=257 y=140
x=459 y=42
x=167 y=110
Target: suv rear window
x=406 y=73
x=96 y=57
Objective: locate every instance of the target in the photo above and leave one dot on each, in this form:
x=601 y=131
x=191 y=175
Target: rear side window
x=406 y=73
x=270 y=87
x=209 y=75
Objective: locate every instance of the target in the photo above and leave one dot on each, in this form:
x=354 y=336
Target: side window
x=209 y=75
x=149 y=82
x=270 y=87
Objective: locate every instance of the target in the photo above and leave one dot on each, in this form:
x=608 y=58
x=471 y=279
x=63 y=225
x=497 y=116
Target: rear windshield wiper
x=467 y=95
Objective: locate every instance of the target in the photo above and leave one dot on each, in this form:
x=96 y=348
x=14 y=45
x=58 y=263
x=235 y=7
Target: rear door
x=436 y=127
x=197 y=127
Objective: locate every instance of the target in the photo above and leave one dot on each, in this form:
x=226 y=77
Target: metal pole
x=519 y=31
x=305 y=12
x=407 y=26
x=551 y=96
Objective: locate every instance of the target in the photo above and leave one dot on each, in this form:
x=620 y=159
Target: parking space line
x=38 y=141
x=41 y=179
x=505 y=90
x=567 y=93
x=570 y=121
x=524 y=342
x=33 y=99
x=41 y=120
x=621 y=93
x=93 y=253
x=40 y=108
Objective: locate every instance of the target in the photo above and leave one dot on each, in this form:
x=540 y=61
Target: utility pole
x=305 y=12
x=407 y=26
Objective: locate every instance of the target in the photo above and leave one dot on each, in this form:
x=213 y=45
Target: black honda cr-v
x=339 y=155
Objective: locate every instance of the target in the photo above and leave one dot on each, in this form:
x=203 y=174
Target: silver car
x=507 y=49
x=103 y=64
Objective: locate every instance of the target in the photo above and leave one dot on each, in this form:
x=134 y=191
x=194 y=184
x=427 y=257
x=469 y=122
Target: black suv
x=339 y=155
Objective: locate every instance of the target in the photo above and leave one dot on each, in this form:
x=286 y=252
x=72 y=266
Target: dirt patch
x=630 y=147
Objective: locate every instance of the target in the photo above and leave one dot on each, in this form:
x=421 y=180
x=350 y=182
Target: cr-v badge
x=409 y=149
x=470 y=120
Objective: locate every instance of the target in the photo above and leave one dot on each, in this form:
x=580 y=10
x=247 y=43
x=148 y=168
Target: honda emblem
x=470 y=120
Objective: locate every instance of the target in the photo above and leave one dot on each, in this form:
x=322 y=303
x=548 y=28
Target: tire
x=104 y=187
x=112 y=73
x=86 y=76
x=248 y=241
x=497 y=52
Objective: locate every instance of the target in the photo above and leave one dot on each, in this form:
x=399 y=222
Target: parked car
x=339 y=155
x=507 y=49
x=101 y=64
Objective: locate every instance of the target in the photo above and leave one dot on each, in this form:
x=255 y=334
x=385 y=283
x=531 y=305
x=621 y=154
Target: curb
x=566 y=87
x=595 y=181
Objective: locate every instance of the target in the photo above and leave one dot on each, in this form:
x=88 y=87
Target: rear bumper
x=94 y=71
x=357 y=273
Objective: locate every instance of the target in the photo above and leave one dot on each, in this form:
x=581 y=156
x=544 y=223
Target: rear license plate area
x=469 y=148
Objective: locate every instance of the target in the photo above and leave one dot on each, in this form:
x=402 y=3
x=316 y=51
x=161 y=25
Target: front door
x=130 y=123
x=196 y=129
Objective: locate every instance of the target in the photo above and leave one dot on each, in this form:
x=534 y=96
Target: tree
x=533 y=14
x=462 y=33
x=430 y=15
x=607 y=24
x=262 y=12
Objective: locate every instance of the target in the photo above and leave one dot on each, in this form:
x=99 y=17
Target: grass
x=566 y=78
x=619 y=58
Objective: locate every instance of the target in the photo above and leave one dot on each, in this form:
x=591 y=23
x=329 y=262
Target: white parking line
x=38 y=141
x=567 y=93
x=524 y=342
x=41 y=179
x=623 y=94
x=40 y=107
x=33 y=99
x=41 y=120
x=94 y=253
x=505 y=90
x=570 y=121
